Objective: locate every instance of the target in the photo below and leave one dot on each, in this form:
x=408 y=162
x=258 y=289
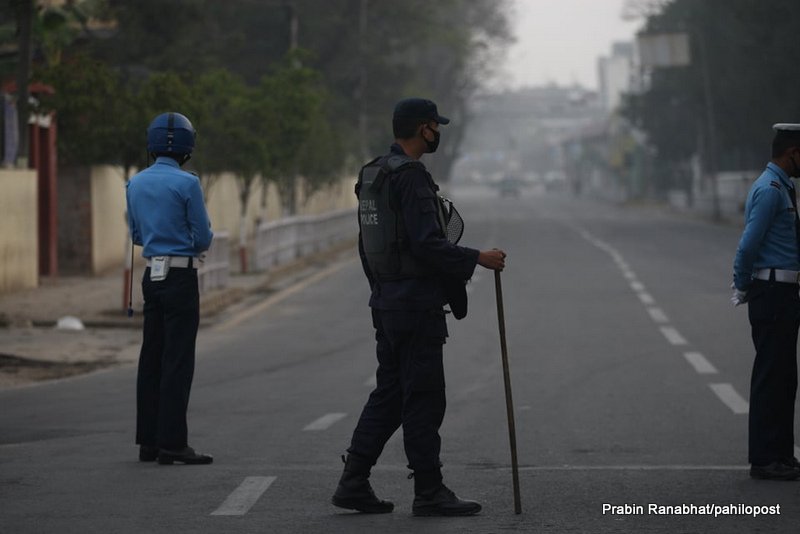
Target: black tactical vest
x=383 y=233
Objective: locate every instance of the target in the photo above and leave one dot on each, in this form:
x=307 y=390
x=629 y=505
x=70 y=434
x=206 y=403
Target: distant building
x=616 y=75
x=519 y=132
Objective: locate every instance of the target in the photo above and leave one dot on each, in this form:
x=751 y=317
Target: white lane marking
x=325 y=422
x=629 y=275
x=371 y=381
x=637 y=286
x=245 y=496
x=730 y=398
x=646 y=298
x=677 y=467
x=673 y=336
x=700 y=363
x=658 y=315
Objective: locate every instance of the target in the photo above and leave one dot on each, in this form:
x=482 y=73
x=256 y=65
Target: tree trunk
x=24 y=28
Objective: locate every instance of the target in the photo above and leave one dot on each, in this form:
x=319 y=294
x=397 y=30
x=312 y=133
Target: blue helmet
x=170 y=133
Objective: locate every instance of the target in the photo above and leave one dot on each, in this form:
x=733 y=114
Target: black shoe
x=354 y=491
x=443 y=502
x=186 y=456
x=147 y=453
x=775 y=471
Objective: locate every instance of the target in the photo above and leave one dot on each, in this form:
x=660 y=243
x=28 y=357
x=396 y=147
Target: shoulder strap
x=397 y=161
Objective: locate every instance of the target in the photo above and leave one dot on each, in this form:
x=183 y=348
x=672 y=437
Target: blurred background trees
x=749 y=51
x=277 y=89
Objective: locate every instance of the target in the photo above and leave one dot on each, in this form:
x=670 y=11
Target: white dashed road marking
x=637 y=286
x=673 y=336
x=325 y=422
x=658 y=315
x=646 y=298
x=245 y=496
x=700 y=363
x=730 y=398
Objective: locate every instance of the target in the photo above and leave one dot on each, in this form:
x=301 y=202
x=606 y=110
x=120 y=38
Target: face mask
x=433 y=145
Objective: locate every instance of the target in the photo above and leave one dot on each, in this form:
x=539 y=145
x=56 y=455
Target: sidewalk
x=33 y=349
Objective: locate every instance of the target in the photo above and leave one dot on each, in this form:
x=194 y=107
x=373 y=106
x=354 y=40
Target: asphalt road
x=630 y=372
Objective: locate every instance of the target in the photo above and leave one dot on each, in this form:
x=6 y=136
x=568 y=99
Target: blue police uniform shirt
x=166 y=211
x=769 y=239
x=414 y=189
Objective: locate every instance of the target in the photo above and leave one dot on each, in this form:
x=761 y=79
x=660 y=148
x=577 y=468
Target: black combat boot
x=433 y=498
x=354 y=491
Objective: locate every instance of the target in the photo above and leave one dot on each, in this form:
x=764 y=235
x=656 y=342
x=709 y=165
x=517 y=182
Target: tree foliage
x=262 y=107
x=749 y=49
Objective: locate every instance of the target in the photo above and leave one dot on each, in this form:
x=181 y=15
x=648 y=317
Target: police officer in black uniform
x=413 y=271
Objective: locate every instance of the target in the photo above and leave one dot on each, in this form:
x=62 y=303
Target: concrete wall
x=222 y=201
x=109 y=227
x=93 y=228
x=732 y=189
x=19 y=257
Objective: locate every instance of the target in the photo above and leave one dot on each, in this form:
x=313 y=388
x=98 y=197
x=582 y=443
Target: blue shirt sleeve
x=134 y=231
x=197 y=218
x=418 y=201
x=764 y=205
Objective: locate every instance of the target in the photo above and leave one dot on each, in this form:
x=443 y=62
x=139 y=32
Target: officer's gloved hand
x=738 y=297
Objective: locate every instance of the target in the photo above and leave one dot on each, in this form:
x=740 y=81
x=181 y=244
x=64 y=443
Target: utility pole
x=24 y=13
x=711 y=148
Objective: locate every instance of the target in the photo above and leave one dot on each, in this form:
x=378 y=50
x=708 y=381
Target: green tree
x=746 y=48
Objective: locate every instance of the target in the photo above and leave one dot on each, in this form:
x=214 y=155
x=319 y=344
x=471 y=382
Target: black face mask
x=433 y=145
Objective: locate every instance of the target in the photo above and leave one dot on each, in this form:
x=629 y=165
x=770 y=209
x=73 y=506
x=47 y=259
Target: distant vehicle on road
x=509 y=186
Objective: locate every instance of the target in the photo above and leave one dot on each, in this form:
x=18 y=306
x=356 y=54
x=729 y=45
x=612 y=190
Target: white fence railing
x=214 y=271
x=288 y=239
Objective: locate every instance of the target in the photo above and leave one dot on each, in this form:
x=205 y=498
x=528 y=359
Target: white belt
x=791 y=277
x=180 y=262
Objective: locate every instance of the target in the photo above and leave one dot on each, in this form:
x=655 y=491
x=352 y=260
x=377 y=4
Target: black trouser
x=166 y=362
x=774 y=312
x=410 y=388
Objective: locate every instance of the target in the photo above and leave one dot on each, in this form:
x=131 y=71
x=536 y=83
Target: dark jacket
x=449 y=264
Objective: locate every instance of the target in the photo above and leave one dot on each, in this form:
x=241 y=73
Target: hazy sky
x=560 y=40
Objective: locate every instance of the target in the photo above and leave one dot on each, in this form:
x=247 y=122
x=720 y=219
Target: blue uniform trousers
x=410 y=388
x=774 y=313
x=166 y=361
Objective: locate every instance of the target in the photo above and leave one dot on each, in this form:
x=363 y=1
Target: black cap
x=787 y=130
x=418 y=108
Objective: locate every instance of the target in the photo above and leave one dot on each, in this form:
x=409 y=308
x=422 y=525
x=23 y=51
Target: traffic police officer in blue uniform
x=167 y=217
x=766 y=274
x=413 y=271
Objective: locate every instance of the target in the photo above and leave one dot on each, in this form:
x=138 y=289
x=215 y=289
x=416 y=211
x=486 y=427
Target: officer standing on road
x=413 y=271
x=167 y=216
x=766 y=274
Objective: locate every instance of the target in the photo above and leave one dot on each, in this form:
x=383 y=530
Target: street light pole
x=711 y=149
